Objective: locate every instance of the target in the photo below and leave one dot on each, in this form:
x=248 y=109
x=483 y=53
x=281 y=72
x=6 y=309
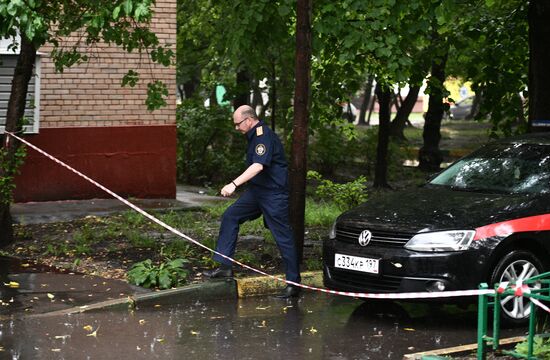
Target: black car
x=486 y=218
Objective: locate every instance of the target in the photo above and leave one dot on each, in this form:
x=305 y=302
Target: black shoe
x=218 y=273
x=289 y=292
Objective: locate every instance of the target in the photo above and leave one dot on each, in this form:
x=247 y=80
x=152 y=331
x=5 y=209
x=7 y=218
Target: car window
x=506 y=168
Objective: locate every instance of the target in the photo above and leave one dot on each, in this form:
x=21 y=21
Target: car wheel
x=516 y=265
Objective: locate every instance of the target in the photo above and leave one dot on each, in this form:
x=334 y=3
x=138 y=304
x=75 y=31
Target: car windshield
x=501 y=168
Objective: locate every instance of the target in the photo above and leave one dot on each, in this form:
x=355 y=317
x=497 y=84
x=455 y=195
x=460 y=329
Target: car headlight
x=456 y=240
x=332 y=232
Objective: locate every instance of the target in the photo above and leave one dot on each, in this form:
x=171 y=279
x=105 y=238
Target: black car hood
x=439 y=208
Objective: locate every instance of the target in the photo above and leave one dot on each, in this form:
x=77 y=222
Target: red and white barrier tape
x=410 y=295
x=519 y=290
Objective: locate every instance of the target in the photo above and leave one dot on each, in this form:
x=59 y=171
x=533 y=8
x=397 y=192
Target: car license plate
x=356 y=263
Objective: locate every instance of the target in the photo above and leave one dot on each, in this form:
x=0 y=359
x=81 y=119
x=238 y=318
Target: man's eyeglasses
x=238 y=124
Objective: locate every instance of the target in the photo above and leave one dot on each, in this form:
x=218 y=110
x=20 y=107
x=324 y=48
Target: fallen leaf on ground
x=87 y=327
x=312 y=330
x=193 y=332
x=141 y=321
x=409 y=329
x=94 y=334
x=263 y=324
x=12 y=284
x=51 y=296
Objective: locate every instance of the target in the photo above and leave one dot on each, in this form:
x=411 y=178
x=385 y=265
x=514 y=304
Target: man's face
x=241 y=123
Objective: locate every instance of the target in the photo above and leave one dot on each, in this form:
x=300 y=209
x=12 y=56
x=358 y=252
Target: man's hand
x=228 y=189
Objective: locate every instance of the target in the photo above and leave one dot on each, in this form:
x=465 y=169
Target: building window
x=8 y=60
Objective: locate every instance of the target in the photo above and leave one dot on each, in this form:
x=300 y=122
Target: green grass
x=321 y=213
x=139 y=240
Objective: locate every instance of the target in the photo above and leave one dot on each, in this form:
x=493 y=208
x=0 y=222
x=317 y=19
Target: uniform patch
x=259 y=131
x=260 y=149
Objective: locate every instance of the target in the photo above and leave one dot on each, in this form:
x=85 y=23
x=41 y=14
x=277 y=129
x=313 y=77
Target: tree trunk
x=243 y=88
x=15 y=112
x=367 y=98
x=475 y=106
x=298 y=165
x=398 y=124
x=539 y=74
x=429 y=156
x=384 y=96
x=213 y=98
x=190 y=87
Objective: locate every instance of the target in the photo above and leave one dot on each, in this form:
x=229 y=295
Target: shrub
x=331 y=146
x=346 y=195
x=209 y=148
x=541 y=348
x=164 y=275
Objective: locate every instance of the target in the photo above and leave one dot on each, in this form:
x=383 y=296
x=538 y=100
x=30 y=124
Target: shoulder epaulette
x=259 y=131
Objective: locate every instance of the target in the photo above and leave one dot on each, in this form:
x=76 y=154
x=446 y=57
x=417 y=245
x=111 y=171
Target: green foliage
x=58 y=249
x=313 y=264
x=122 y=22
x=209 y=148
x=132 y=219
x=332 y=145
x=9 y=168
x=178 y=249
x=491 y=50
x=346 y=196
x=321 y=213
x=246 y=257
x=139 y=240
x=84 y=239
x=541 y=348
x=165 y=275
x=157 y=92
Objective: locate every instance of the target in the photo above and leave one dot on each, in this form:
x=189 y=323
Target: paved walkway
x=57 y=211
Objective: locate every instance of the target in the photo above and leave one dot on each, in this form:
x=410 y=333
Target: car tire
x=516 y=265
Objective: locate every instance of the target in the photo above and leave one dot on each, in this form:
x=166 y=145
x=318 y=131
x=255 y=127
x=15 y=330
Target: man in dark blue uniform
x=267 y=195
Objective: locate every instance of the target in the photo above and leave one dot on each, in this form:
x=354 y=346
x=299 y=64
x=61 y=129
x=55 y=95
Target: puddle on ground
x=27 y=288
x=316 y=326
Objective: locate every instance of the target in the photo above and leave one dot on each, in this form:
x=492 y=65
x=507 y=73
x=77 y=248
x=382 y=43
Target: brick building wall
x=90 y=96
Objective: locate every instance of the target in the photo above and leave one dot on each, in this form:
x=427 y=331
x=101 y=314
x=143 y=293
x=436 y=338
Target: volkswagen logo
x=364 y=237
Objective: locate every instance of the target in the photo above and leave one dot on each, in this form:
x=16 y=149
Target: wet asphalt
x=34 y=324
x=315 y=326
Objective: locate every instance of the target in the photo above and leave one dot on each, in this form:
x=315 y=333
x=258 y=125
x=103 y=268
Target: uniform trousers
x=254 y=202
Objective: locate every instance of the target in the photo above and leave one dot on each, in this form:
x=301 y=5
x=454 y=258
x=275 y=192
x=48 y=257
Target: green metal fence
x=537 y=287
